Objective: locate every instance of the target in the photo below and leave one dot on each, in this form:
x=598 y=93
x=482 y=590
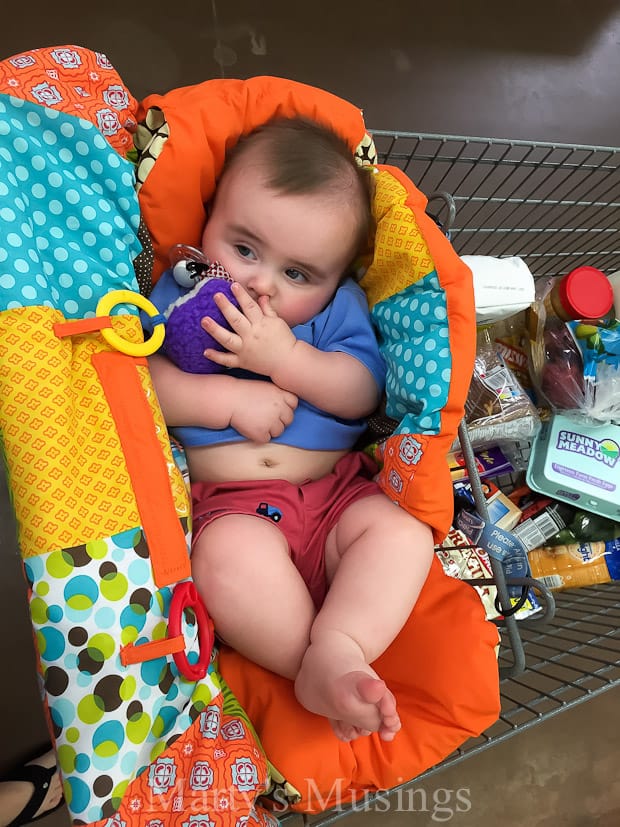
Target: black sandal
x=40 y=778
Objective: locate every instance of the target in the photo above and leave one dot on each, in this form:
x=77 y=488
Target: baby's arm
x=258 y=410
x=333 y=381
x=261 y=342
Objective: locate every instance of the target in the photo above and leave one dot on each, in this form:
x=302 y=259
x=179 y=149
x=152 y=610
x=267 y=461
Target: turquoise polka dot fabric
x=110 y=720
x=414 y=336
x=68 y=209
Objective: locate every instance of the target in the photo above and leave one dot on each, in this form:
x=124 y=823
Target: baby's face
x=291 y=248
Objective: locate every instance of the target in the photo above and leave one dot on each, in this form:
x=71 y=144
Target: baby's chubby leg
x=258 y=602
x=379 y=556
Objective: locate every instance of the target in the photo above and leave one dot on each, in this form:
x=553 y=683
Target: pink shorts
x=304 y=513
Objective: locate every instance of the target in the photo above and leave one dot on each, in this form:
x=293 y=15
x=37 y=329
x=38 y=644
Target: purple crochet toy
x=186 y=340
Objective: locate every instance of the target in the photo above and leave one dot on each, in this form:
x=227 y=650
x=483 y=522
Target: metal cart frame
x=555 y=206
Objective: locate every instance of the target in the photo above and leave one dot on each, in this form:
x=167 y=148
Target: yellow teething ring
x=109 y=301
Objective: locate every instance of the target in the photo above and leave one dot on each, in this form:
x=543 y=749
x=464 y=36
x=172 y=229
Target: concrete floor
x=536 y=71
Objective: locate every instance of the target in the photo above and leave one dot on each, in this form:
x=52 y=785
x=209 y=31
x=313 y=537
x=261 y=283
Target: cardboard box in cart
x=578 y=463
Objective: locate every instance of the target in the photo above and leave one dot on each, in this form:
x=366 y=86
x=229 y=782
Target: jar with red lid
x=583 y=294
x=555 y=358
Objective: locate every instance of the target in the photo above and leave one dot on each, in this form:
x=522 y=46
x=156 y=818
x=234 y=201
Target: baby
x=305 y=566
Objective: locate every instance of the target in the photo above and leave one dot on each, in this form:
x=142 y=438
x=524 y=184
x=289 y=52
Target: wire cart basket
x=554 y=205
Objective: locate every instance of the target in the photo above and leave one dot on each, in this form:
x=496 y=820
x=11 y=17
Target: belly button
x=268 y=463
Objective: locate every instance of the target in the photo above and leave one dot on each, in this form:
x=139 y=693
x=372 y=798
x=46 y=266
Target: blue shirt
x=343 y=326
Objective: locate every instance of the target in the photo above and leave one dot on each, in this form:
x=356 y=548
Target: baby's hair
x=302 y=157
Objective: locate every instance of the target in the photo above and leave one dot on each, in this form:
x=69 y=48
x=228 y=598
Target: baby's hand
x=262 y=410
x=259 y=339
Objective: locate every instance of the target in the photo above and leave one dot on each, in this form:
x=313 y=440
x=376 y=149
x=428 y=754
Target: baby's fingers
x=235 y=316
x=221 y=357
x=250 y=309
x=224 y=337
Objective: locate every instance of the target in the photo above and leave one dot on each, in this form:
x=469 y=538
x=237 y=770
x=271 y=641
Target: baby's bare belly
x=257 y=461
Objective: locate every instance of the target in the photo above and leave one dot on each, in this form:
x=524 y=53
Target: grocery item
x=541 y=517
x=497 y=409
x=576 y=565
x=579 y=463
x=555 y=358
x=502 y=286
x=490 y=462
x=501 y=511
x=464 y=560
x=600 y=351
x=614 y=280
x=579 y=525
x=510 y=339
x=586 y=527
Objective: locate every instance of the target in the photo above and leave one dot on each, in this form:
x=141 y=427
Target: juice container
x=575 y=565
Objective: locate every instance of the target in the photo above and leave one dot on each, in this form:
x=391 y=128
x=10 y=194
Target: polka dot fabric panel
x=69 y=212
x=110 y=720
x=414 y=327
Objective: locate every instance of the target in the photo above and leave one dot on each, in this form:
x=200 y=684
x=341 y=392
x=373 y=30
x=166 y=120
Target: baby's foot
x=360 y=695
x=335 y=681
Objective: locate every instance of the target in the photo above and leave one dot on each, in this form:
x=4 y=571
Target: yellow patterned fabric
x=401 y=255
x=63 y=453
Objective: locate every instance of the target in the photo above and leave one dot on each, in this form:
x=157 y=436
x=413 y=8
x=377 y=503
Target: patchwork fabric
x=69 y=213
x=77 y=81
x=61 y=444
x=102 y=508
x=401 y=254
x=210 y=777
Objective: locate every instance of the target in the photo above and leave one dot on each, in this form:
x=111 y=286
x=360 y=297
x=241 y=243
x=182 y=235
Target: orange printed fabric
x=211 y=775
x=77 y=81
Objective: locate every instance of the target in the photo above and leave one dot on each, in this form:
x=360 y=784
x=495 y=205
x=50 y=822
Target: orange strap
x=77 y=326
x=146 y=465
x=150 y=651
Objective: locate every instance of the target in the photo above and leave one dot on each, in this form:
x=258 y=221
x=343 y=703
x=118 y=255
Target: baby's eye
x=244 y=251
x=296 y=275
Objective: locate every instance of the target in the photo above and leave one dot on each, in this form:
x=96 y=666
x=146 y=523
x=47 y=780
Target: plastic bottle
x=576 y=565
x=585 y=527
x=544 y=524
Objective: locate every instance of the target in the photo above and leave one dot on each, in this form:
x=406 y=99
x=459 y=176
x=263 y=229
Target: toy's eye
x=189 y=264
x=188 y=273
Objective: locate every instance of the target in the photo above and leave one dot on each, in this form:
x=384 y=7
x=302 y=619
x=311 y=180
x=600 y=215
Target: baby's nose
x=261 y=284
